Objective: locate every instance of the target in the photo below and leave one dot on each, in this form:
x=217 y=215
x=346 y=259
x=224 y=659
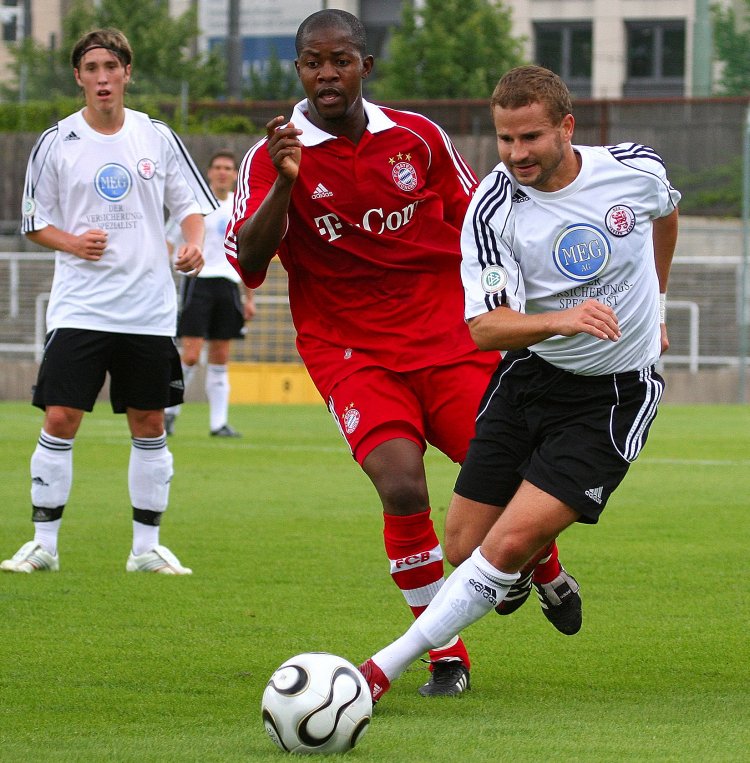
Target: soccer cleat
x=516 y=596
x=375 y=678
x=31 y=557
x=225 y=431
x=160 y=560
x=169 y=420
x=449 y=678
x=561 y=602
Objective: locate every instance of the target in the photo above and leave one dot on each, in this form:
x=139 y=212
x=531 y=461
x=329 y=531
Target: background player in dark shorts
x=210 y=306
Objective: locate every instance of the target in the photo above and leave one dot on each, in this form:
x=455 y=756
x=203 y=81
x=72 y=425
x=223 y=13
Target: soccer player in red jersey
x=364 y=206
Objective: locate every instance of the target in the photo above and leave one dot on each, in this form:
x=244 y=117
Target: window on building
x=656 y=59
x=566 y=50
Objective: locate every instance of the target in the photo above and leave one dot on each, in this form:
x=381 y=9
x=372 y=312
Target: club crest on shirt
x=113 y=182
x=404 y=176
x=494 y=279
x=620 y=220
x=350 y=418
x=146 y=168
x=29 y=206
x=581 y=252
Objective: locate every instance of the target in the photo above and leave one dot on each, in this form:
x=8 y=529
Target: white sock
x=45 y=534
x=145 y=537
x=51 y=480
x=474 y=588
x=217 y=392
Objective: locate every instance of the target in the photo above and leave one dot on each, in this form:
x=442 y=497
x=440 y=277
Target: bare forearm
x=506 y=329
x=259 y=238
x=664 y=235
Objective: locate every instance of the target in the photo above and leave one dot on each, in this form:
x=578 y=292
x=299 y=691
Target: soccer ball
x=316 y=703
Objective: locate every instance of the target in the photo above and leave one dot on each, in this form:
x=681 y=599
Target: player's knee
x=402 y=494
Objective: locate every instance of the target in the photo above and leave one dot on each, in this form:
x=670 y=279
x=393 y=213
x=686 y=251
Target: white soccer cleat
x=160 y=560
x=31 y=557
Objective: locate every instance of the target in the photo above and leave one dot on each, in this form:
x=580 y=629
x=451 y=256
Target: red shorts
x=436 y=405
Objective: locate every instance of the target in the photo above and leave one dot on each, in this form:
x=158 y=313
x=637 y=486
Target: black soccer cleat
x=225 y=431
x=449 y=678
x=516 y=596
x=561 y=602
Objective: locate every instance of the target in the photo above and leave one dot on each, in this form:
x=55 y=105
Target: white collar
x=377 y=121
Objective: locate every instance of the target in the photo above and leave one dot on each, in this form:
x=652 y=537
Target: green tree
x=448 y=49
x=275 y=82
x=161 y=59
x=732 y=43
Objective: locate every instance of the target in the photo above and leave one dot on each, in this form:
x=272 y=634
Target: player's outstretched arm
x=88 y=246
x=506 y=329
x=259 y=238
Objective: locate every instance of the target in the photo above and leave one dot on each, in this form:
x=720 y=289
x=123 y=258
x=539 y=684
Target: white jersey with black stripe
x=540 y=252
x=78 y=179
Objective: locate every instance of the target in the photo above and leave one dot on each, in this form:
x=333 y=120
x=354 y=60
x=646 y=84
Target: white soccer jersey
x=216 y=264
x=540 y=252
x=78 y=179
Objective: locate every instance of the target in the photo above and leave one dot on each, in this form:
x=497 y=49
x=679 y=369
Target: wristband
x=662 y=307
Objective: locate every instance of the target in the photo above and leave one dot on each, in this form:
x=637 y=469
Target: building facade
x=602 y=48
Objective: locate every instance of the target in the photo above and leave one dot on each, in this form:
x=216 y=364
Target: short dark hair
x=333 y=17
x=110 y=39
x=222 y=153
x=533 y=84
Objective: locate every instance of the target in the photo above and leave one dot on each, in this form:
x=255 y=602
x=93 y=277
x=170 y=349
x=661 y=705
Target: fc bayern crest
x=351 y=419
x=146 y=168
x=405 y=176
x=620 y=220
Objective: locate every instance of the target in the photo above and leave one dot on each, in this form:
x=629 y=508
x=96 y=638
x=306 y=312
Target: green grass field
x=283 y=533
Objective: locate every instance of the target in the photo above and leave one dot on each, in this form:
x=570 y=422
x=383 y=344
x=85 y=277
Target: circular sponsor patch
x=405 y=176
x=146 y=169
x=29 y=206
x=113 y=182
x=351 y=420
x=494 y=279
x=620 y=220
x=581 y=252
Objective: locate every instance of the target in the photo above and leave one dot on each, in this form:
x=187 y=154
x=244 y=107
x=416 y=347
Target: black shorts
x=210 y=308
x=145 y=371
x=572 y=436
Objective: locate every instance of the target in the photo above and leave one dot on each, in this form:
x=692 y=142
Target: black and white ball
x=316 y=703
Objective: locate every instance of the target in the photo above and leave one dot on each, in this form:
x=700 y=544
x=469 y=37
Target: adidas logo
x=595 y=494
x=321 y=192
x=71 y=136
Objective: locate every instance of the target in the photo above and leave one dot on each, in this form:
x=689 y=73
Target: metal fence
x=704 y=307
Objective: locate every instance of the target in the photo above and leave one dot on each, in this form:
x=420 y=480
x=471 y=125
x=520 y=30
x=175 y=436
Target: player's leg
x=70 y=377
x=463 y=389
x=144 y=378
x=226 y=323
x=530 y=521
x=217 y=388
x=191 y=347
x=380 y=417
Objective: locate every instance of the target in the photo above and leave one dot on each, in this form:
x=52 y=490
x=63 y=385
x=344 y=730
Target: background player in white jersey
x=96 y=187
x=566 y=256
x=210 y=306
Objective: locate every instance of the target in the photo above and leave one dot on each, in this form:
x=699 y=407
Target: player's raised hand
x=590 y=317
x=284 y=147
x=90 y=245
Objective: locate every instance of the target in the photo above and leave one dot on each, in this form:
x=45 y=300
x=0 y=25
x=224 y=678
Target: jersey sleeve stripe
x=187 y=163
x=37 y=165
x=625 y=151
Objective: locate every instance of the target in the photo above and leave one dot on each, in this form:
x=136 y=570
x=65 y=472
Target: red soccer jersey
x=371 y=246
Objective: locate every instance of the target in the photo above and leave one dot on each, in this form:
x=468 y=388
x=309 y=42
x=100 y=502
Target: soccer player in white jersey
x=211 y=307
x=566 y=257
x=96 y=187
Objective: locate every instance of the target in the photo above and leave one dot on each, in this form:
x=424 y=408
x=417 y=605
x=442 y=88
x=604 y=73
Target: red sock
x=547 y=567
x=416 y=560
